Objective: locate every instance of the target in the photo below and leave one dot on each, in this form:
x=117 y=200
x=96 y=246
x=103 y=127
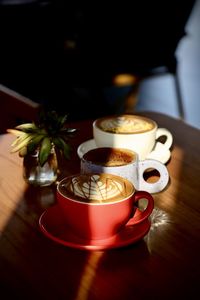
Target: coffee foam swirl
x=126 y=124
x=98 y=188
x=95 y=189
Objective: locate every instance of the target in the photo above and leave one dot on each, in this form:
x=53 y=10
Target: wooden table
x=163 y=265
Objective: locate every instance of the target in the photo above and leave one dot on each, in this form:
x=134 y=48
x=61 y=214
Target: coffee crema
x=110 y=157
x=96 y=188
x=125 y=124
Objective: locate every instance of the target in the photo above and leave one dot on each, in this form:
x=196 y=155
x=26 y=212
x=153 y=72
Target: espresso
x=95 y=188
x=125 y=124
x=110 y=157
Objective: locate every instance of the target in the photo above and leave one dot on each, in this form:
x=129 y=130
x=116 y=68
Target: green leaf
x=23 y=152
x=62 y=120
x=49 y=128
x=22 y=143
x=62 y=145
x=44 y=151
x=27 y=127
x=68 y=130
x=20 y=138
x=34 y=143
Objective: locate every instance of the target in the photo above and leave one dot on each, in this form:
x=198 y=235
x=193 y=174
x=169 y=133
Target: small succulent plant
x=50 y=130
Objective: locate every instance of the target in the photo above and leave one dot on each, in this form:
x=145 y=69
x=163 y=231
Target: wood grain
x=165 y=264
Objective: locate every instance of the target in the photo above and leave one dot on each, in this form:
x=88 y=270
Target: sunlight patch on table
x=88 y=275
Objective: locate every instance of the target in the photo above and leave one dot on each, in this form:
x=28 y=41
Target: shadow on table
x=33 y=266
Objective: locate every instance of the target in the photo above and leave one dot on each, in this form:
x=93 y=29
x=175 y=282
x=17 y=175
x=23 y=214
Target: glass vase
x=36 y=175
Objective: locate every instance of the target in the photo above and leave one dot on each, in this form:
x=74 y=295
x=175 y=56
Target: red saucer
x=53 y=225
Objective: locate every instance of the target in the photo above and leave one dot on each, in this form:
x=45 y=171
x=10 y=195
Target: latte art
x=126 y=124
x=97 y=188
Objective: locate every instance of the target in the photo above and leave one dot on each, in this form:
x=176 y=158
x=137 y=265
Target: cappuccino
x=125 y=124
x=132 y=132
x=109 y=157
x=124 y=163
x=96 y=188
x=99 y=206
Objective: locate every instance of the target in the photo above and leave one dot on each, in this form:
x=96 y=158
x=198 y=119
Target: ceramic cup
x=130 y=131
x=124 y=162
x=98 y=206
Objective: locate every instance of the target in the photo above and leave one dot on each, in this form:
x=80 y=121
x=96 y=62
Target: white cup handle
x=164 y=132
x=157 y=186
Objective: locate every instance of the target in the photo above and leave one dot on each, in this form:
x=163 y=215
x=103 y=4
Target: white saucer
x=160 y=152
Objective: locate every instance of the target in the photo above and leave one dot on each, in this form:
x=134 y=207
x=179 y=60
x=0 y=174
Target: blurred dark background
x=65 y=54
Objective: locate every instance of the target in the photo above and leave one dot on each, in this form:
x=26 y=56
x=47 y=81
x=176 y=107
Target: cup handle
x=157 y=186
x=164 y=132
x=139 y=215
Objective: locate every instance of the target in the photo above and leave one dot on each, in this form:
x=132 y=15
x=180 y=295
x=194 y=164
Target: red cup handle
x=140 y=216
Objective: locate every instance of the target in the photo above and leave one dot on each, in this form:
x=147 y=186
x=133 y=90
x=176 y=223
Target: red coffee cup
x=98 y=206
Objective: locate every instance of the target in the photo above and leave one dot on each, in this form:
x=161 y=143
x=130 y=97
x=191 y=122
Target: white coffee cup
x=130 y=131
x=125 y=163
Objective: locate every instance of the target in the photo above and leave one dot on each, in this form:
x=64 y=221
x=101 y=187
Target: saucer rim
x=83 y=245
x=93 y=141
